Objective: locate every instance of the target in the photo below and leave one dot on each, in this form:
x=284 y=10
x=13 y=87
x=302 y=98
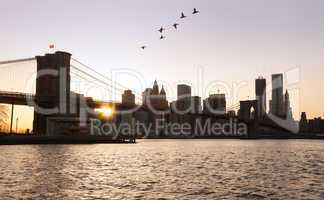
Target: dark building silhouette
x=196 y=105
x=311 y=127
x=146 y=96
x=277 y=102
x=303 y=123
x=155 y=99
x=163 y=94
x=270 y=106
x=287 y=108
x=248 y=110
x=186 y=109
x=156 y=105
x=128 y=98
x=52 y=90
x=184 y=102
x=260 y=94
x=231 y=113
x=215 y=104
x=155 y=90
x=183 y=91
x=316 y=126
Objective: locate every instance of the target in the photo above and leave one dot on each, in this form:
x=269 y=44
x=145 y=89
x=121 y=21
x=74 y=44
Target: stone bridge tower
x=52 y=88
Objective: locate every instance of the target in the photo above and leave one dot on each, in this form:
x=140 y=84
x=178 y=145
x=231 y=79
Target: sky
x=228 y=44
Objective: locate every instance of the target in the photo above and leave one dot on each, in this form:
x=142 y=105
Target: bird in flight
x=183 y=15
x=161 y=29
x=195 y=11
x=143 y=47
x=162 y=37
x=175 y=25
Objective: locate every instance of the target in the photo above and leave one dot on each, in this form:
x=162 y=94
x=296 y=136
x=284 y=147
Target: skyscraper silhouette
x=183 y=91
x=155 y=90
x=288 y=109
x=277 y=107
x=128 y=98
x=215 y=104
x=260 y=94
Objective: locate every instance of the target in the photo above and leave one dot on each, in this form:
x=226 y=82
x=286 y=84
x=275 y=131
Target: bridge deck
x=15 y=98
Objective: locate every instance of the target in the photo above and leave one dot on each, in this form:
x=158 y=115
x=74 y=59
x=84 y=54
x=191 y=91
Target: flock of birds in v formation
x=175 y=26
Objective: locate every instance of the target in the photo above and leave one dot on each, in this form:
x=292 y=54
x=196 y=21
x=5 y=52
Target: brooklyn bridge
x=50 y=87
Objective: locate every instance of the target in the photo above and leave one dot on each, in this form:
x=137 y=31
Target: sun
x=106 y=112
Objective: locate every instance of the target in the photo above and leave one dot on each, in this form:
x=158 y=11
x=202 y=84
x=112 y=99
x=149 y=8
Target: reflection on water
x=165 y=169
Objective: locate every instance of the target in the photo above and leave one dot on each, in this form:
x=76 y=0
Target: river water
x=165 y=169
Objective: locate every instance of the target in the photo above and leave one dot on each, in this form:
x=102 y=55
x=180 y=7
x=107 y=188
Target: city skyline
x=154 y=98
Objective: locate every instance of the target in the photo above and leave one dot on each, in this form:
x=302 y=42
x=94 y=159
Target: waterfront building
x=128 y=98
x=146 y=95
x=156 y=105
x=231 y=113
x=196 y=107
x=311 y=127
x=316 y=126
x=260 y=94
x=303 y=123
x=277 y=102
x=155 y=90
x=184 y=102
x=183 y=91
x=248 y=110
x=155 y=99
x=215 y=104
x=288 y=110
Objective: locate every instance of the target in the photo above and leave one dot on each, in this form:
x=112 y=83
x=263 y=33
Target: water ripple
x=165 y=169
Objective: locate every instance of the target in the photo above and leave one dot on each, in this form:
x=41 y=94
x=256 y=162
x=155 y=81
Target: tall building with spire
x=163 y=93
x=303 y=123
x=155 y=90
x=154 y=98
x=288 y=109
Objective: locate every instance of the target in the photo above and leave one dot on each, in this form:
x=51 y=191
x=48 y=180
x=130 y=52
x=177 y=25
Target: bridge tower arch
x=249 y=114
x=249 y=110
x=52 y=96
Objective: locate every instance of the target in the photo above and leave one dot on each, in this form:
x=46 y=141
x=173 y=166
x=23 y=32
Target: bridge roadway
x=15 y=98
